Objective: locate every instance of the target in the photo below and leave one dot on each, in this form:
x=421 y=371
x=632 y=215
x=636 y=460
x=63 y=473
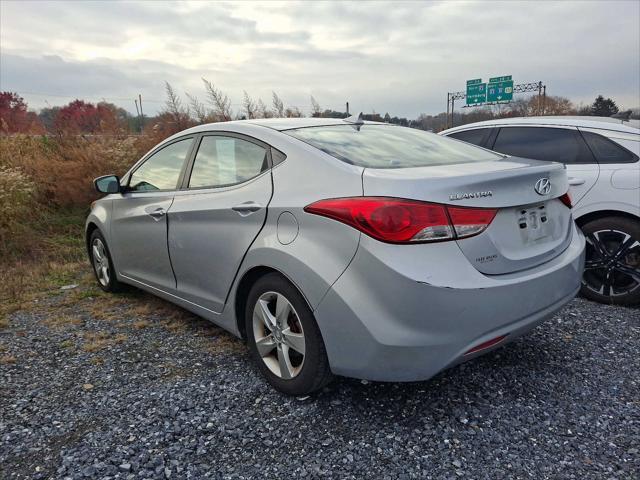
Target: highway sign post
x=497 y=90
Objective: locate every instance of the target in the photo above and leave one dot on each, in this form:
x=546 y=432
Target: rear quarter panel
x=311 y=251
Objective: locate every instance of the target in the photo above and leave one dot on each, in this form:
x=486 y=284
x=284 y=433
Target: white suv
x=601 y=156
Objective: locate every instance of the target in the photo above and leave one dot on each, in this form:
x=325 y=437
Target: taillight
x=566 y=199
x=397 y=220
x=470 y=221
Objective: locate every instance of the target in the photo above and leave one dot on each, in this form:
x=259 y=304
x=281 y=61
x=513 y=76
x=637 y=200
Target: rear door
x=216 y=216
x=618 y=155
x=556 y=144
x=139 y=224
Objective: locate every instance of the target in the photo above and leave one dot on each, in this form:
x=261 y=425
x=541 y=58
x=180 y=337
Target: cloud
x=400 y=57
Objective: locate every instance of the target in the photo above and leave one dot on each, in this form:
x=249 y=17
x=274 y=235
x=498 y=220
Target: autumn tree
x=80 y=117
x=293 y=112
x=603 y=107
x=14 y=116
x=559 y=106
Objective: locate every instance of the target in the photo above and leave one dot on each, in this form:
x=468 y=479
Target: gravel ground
x=93 y=387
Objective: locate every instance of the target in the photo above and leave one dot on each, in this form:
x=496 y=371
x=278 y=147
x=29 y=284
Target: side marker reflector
x=487 y=344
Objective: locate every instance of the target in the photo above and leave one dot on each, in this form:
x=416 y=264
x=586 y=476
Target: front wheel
x=102 y=263
x=283 y=337
x=612 y=261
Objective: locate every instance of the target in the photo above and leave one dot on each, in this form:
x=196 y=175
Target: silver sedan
x=342 y=247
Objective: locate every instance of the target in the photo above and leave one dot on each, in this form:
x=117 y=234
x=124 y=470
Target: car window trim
x=184 y=184
x=574 y=130
x=144 y=160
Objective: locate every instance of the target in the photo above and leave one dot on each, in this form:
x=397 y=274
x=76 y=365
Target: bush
x=44 y=179
x=16 y=203
x=62 y=168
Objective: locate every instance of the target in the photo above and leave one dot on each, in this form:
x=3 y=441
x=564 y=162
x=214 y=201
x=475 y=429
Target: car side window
x=223 y=161
x=161 y=170
x=607 y=151
x=476 y=136
x=540 y=143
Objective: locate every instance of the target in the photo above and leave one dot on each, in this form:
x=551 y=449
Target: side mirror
x=107 y=184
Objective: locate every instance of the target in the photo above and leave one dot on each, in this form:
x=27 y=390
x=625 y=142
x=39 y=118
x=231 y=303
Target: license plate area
x=533 y=223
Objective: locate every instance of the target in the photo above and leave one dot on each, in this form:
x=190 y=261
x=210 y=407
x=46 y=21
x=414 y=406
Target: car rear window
x=607 y=151
x=386 y=146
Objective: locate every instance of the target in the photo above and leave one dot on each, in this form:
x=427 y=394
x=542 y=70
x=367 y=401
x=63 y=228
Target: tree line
x=178 y=113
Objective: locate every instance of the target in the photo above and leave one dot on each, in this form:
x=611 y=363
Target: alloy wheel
x=279 y=335
x=100 y=262
x=612 y=263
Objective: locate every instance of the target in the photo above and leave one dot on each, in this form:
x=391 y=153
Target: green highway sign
x=500 y=79
x=476 y=92
x=501 y=91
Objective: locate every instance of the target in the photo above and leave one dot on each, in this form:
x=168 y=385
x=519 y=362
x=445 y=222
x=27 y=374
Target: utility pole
x=453 y=101
x=138 y=114
x=539 y=98
x=446 y=123
x=141 y=114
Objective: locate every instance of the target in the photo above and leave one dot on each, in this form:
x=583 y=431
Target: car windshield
x=386 y=146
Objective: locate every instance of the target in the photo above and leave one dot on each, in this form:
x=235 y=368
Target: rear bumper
x=402 y=314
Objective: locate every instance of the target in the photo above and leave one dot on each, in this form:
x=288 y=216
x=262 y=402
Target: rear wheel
x=284 y=338
x=102 y=263
x=612 y=263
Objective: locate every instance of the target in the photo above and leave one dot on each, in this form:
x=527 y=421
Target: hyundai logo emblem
x=543 y=186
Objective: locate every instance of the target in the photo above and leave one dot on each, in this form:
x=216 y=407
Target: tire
x=279 y=319
x=612 y=264
x=103 y=268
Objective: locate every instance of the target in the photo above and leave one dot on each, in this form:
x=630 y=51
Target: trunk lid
x=528 y=229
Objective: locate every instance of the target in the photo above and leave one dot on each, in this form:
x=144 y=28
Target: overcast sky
x=400 y=58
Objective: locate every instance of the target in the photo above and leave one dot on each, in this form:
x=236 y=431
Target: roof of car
x=279 y=123
x=574 y=121
x=288 y=123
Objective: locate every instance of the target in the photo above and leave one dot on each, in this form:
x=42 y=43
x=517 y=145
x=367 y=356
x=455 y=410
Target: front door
x=213 y=222
x=139 y=221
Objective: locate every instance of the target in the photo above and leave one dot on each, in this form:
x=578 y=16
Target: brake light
x=397 y=220
x=566 y=199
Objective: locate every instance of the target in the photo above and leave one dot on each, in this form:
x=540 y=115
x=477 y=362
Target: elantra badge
x=464 y=196
x=543 y=186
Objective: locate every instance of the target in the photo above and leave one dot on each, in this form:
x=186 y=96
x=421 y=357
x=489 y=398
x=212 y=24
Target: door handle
x=158 y=213
x=576 y=181
x=247 y=208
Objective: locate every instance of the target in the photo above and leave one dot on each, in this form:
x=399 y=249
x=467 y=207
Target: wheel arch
x=597 y=214
x=91 y=227
x=248 y=279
